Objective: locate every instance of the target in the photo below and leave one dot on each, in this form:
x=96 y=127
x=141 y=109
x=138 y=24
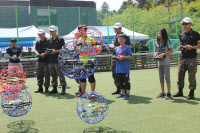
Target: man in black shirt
x=188 y=45
x=118 y=30
x=55 y=44
x=14 y=53
x=42 y=68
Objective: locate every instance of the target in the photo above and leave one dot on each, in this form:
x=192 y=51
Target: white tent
x=103 y=30
x=28 y=33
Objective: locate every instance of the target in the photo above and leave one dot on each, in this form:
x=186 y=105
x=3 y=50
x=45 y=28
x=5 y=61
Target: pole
x=135 y=58
x=181 y=12
x=195 y=21
x=177 y=35
x=108 y=34
x=156 y=33
x=79 y=14
x=49 y=18
x=17 y=25
x=107 y=25
x=169 y=17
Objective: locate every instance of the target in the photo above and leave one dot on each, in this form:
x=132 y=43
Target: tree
x=101 y=13
x=105 y=6
x=127 y=3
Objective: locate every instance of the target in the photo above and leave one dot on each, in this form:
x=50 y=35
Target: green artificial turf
x=143 y=113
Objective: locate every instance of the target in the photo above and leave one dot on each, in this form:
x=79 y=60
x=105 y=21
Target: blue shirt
x=123 y=66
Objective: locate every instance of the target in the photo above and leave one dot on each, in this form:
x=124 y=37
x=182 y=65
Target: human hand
x=43 y=55
x=121 y=57
x=161 y=55
x=188 y=47
x=53 y=51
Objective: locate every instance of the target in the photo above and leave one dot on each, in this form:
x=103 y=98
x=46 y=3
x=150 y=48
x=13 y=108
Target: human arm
x=190 y=47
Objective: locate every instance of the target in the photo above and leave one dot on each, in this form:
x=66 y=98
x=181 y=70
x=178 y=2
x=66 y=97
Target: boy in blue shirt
x=123 y=55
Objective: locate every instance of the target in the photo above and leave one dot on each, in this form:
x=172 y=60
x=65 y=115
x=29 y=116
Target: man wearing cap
x=55 y=44
x=42 y=68
x=118 y=30
x=14 y=53
x=189 y=42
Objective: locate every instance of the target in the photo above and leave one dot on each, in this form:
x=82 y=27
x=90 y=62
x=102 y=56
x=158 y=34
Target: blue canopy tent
x=26 y=36
x=103 y=30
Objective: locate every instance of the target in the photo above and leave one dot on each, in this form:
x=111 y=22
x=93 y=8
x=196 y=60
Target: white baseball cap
x=187 y=20
x=118 y=25
x=52 y=28
x=41 y=31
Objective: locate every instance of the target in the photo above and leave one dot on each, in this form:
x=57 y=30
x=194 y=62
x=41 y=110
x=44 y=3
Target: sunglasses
x=185 y=23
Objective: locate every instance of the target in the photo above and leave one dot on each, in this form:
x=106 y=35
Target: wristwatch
x=192 y=47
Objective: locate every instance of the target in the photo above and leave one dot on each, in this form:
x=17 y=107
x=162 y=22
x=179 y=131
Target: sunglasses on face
x=185 y=23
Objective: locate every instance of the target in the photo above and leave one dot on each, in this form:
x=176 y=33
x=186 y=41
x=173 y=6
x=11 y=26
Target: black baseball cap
x=81 y=26
x=122 y=35
x=13 y=40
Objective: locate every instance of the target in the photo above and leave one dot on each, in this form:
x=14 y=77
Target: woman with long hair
x=163 y=48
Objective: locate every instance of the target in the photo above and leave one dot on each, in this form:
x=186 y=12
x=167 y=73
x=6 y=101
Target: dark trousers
x=42 y=71
x=124 y=81
x=114 y=74
x=55 y=71
x=189 y=65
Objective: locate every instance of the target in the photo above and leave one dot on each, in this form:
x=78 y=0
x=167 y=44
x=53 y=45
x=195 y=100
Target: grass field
x=143 y=113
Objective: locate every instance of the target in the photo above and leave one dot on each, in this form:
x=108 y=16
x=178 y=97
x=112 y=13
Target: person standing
x=118 y=30
x=55 y=44
x=83 y=37
x=42 y=68
x=14 y=53
x=164 y=49
x=189 y=42
x=123 y=54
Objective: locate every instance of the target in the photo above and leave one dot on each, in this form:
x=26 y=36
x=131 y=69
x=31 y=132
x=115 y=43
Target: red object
x=95 y=34
x=91 y=96
x=79 y=95
x=12 y=76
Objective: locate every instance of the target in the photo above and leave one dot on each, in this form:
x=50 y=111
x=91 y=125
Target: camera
x=158 y=57
x=115 y=58
x=38 y=56
x=48 y=51
x=181 y=47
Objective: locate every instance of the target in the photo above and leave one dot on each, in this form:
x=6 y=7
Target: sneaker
x=127 y=97
x=79 y=95
x=168 y=96
x=120 y=95
x=91 y=96
x=161 y=95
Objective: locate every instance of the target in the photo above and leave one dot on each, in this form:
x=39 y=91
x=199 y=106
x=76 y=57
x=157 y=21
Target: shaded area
x=22 y=126
x=109 y=101
x=59 y=96
x=102 y=129
x=139 y=100
x=184 y=100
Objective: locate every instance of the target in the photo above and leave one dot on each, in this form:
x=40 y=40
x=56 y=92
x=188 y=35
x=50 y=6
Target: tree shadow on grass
x=181 y=100
x=139 y=100
x=102 y=129
x=22 y=126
